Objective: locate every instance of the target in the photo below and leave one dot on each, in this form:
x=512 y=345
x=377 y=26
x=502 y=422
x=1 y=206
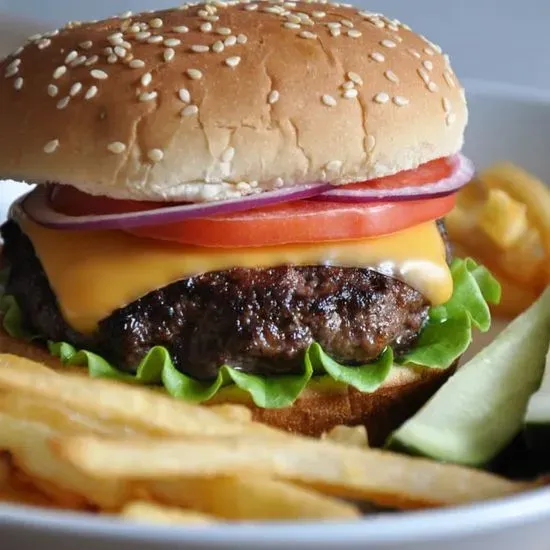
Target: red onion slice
x=37 y=206
x=463 y=171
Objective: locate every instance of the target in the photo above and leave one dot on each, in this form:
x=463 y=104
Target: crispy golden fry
x=235 y=413
x=28 y=444
x=55 y=416
x=355 y=436
x=138 y=408
x=378 y=476
x=503 y=219
x=525 y=188
x=150 y=512
x=251 y=497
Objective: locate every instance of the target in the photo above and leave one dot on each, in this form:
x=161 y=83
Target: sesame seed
x=190 y=110
x=172 y=42
x=44 y=43
x=432 y=86
x=347 y=23
x=251 y=7
x=80 y=60
x=429 y=51
x=169 y=54
x=334 y=25
x=112 y=59
x=92 y=61
x=294 y=18
x=108 y=51
x=62 y=103
x=447 y=107
x=233 y=61
x=228 y=154
x=449 y=79
x=273 y=97
x=414 y=53
x=182 y=29
x=14 y=64
x=292 y=26
x=423 y=75
x=206 y=27
x=120 y=52
x=391 y=76
x=354 y=33
x=388 y=43
x=91 y=93
x=194 y=74
x=319 y=14
x=378 y=57
x=428 y=65
x=157 y=39
x=146 y=79
x=371 y=143
x=400 y=101
x=52 y=90
x=334 y=166
x=99 y=74
x=76 y=88
x=307 y=34
x=51 y=146
x=199 y=48
x=328 y=100
x=184 y=95
x=155 y=155
x=143 y=35
x=381 y=98
x=148 y=96
x=136 y=64
x=218 y=46
x=156 y=23
x=115 y=39
x=34 y=37
x=335 y=31
x=350 y=93
x=116 y=147
x=450 y=119
x=59 y=72
x=242 y=39
x=354 y=77
x=126 y=15
x=18 y=83
x=224 y=31
x=11 y=71
x=230 y=41
x=71 y=57
x=348 y=85
x=86 y=45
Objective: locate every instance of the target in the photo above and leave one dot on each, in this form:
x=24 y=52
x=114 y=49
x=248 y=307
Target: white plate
x=506 y=123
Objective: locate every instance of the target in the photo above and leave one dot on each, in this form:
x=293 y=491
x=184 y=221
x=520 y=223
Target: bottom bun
x=323 y=405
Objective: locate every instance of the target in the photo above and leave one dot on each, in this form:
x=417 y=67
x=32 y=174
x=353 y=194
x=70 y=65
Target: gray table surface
x=501 y=40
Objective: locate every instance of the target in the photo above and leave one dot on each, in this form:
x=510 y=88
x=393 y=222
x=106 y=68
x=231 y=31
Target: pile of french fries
x=103 y=447
x=502 y=219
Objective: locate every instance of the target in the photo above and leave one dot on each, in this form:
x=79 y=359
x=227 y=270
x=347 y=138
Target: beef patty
x=256 y=320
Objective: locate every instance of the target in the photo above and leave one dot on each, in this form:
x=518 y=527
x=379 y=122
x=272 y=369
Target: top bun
x=215 y=101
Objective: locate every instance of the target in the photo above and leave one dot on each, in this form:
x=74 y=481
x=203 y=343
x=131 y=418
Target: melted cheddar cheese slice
x=93 y=273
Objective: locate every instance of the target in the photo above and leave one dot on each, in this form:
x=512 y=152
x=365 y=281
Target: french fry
x=150 y=512
x=355 y=436
x=251 y=498
x=28 y=444
x=381 y=477
x=138 y=408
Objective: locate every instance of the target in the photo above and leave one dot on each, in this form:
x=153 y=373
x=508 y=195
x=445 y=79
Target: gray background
x=501 y=40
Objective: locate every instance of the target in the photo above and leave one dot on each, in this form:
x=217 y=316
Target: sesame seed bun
x=217 y=101
x=322 y=405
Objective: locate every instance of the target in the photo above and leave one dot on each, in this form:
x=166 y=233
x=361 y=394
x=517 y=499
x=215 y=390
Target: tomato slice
x=426 y=173
x=300 y=222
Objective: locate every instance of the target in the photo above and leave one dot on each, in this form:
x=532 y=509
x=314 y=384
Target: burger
x=242 y=202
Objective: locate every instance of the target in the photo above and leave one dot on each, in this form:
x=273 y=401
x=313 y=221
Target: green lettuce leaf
x=445 y=337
